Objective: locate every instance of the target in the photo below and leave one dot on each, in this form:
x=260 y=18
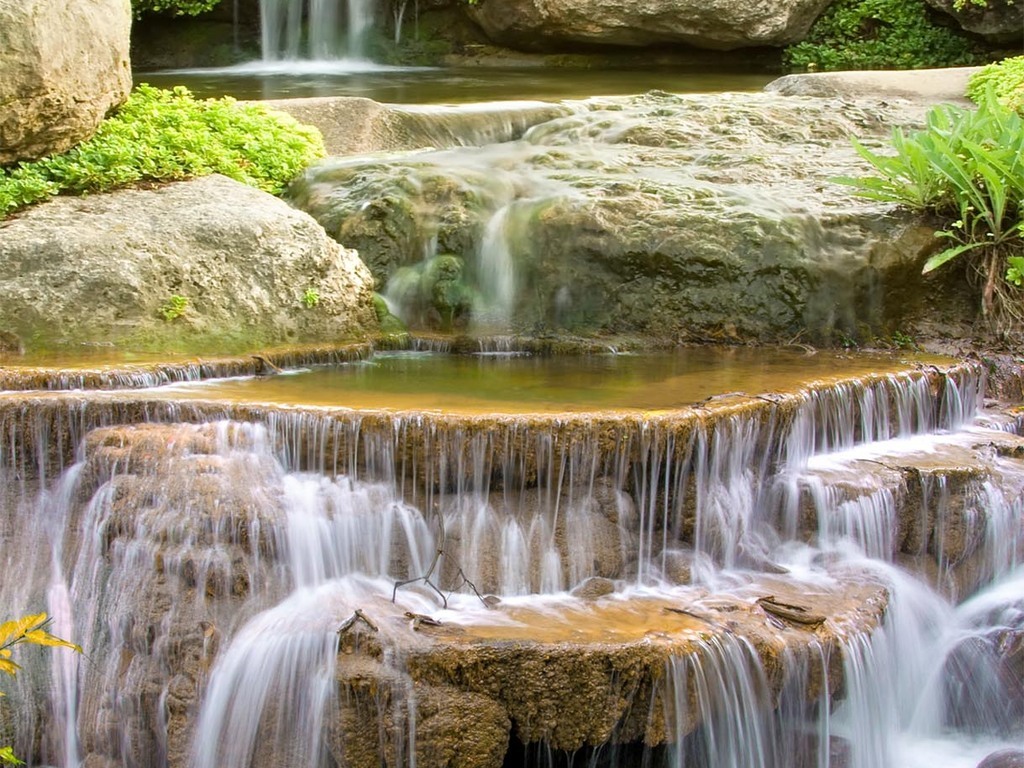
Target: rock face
x=698 y=217
x=203 y=263
x=354 y=125
x=998 y=21
x=717 y=25
x=928 y=85
x=62 y=67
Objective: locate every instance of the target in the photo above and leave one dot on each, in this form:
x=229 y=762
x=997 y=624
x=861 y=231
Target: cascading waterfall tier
x=259 y=584
x=294 y=30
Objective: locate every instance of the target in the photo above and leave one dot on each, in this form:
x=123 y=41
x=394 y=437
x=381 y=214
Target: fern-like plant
x=967 y=167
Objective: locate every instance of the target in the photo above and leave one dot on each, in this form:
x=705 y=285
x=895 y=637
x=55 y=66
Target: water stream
x=317 y=30
x=233 y=565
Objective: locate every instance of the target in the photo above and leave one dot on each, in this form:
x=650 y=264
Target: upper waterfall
x=294 y=30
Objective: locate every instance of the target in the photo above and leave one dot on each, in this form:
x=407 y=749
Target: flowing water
x=253 y=566
x=319 y=30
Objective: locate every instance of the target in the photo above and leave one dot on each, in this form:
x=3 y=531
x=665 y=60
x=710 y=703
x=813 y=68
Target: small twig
x=466 y=582
x=351 y=620
x=426 y=577
x=794 y=613
x=421 y=620
x=265 y=368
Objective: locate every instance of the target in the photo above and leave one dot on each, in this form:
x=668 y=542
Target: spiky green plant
x=967 y=167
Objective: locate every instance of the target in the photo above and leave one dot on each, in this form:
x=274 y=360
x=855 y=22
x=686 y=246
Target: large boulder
x=714 y=24
x=998 y=21
x=672 y=217
x=63 y=66
x=207 y=263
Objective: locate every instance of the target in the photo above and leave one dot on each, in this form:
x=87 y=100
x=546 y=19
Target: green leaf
x=942 y=257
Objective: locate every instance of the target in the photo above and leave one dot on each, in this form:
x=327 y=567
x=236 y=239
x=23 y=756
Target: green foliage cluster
x=1005 y=79
x=310 y=298
x=173 y=7
x=176 y=306
x=967 y=167
x=163 y=135
x=880 y=34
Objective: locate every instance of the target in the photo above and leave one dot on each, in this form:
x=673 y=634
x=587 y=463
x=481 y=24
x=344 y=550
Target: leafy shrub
x=163 y=135
x=173 y=7
x=967 y=167
x=1005 y=78
x=880 y=34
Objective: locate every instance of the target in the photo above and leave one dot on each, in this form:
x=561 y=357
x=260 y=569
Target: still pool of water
x=446 y=85
x=515 y=384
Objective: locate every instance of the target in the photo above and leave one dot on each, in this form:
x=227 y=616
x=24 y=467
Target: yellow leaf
x=42 y=637
x=11 y=631
x=8 y=666
x=7 y=757
x=5 y=653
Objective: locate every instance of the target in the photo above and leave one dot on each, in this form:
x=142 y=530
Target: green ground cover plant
x=1005 y=79
x=966 y=167
x=166 y=135
x=173 y=7
x=880 y=34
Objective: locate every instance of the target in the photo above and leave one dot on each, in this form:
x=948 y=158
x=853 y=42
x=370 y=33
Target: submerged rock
x=718 y=25
x=63 y=66
x=697 y=217
x=207 y=263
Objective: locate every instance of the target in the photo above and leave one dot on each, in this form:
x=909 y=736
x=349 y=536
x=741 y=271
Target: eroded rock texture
x=106 y=268
x=62 y=67
x=719 y=24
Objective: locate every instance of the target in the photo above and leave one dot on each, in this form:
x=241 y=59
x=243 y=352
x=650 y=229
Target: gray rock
x=104 y=268
x=998 y=21
x=697 y=217
x=1004 y=758
x=928 y=85
x=715 y=24
x=62 y=67
x=352 y=125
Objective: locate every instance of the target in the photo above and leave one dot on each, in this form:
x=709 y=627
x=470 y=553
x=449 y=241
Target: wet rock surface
x=64 y=65
x=187 y=265
x=946 y=510
x=657 y=215
x=356 y=125
x=568 y=672
x=182 y=541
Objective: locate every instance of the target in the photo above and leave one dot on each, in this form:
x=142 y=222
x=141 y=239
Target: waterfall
x=293 y=30
x=214 y=561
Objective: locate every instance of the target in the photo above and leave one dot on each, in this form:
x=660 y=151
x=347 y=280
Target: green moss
x=880 y=34
x=161 y=135
x=1005 y=78
x=390 y=325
